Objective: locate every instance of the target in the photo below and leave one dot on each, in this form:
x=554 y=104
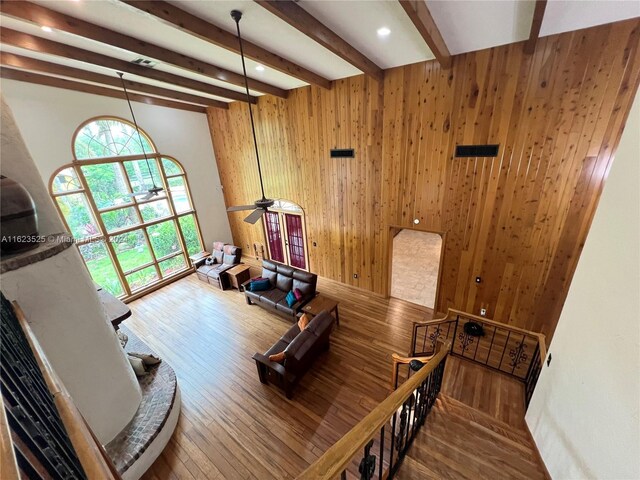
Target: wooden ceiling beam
x=43 y=45
x=207 y=31
x=29 y=77
x=26 y=63
x=39 y=15
x=536 y=24
x=421 y=17
x=303 y=21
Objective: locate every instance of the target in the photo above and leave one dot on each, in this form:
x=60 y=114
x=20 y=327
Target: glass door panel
x=101 y=267
x=274 y=236
x=295 y=241
x=172 y=265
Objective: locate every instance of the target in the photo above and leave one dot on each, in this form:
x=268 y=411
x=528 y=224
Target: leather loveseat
x=224 y=257
x=283 y=279
x=300 y=349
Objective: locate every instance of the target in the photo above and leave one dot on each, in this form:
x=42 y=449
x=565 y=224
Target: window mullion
x=101 y=226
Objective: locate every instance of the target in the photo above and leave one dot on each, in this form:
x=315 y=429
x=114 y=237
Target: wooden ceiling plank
x=303 y=21
x=43 y=45
x=29 y=77
x=420 y=16
x=211 y=33
x=26 y=63
x=536 y=24
x=40 y=15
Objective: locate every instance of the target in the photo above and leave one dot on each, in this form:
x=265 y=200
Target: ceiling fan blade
x=240 y=207
x=134 y=194
x=255 y=216
x=148 y=196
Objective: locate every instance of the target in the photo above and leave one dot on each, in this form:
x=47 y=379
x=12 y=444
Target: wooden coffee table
x=238 y=275
x=320 y=303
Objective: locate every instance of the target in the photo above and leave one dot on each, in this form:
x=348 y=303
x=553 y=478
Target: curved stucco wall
x=61 y=305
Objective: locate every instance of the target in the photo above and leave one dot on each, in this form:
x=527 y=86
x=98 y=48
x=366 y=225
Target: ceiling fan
x=154 y=190
x=259 y=207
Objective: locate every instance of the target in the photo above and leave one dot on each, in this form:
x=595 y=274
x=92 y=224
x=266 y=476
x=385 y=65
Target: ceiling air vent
x=477 y=150
x=342 y=153
x=145 y=62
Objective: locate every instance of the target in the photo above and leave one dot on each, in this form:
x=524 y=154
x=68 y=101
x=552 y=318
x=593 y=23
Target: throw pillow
x=259 y=285
x=303 y=321
x=147 y=358
x=277 y=357
x=138 y=366
x=297 y=293
x=291 y=298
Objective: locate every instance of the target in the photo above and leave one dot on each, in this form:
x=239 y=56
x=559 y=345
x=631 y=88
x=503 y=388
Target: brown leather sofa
x=283 y=279
x=224 y=258
x=300 y=351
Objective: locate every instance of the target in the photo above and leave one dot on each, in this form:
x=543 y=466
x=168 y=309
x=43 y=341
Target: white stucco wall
x=585 y=412
x=61 y=305
x=48 y=118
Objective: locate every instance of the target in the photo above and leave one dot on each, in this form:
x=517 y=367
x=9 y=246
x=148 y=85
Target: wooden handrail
x=91 y=453
x=400 y=360
x=8 y=463
x=339 y=455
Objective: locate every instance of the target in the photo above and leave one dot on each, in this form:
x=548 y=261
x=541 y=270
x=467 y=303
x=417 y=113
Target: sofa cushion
x=303 y=321
x=319 y=324
x=271 y=275
x=283 y=282
x=292 y=333
x=300 y=345
x=217 y=270
x=205 y=269
x=218 y=246
x=283 y=307
x=217 y=256
x=255 y=296
x=231 y=254
x=277 y=347
x=271 y=297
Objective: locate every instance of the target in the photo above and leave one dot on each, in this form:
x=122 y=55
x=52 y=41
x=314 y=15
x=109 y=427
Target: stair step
x=459 y=442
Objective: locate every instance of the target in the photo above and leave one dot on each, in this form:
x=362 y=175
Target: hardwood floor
x=232 y=426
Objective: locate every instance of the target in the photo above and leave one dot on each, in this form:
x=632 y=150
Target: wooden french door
x=286 y=238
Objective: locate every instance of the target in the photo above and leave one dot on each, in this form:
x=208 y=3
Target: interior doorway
x=415 y=266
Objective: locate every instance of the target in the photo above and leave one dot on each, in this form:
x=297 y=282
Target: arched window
x=129 y=243
x=286 y=235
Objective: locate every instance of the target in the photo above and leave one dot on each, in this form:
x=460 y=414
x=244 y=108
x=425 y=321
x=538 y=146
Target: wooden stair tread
x=459 y=442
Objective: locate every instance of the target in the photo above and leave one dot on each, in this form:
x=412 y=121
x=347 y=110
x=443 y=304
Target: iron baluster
x=402 y=426
x=491 y=345
x=518 y=354
x=367 y=465
x=393 y=439
x=381 y=453
x=506 y=344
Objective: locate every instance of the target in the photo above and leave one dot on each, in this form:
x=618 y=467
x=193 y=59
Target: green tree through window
x=128 y=243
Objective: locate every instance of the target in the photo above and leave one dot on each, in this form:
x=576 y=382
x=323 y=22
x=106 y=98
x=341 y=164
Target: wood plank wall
x=518 y=220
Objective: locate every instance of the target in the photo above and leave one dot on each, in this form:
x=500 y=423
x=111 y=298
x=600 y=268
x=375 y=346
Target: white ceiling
x=466 y=25
x=565 y=16
x=357 y=22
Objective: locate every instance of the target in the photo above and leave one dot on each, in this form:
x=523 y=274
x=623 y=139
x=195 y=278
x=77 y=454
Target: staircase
x=459 y=442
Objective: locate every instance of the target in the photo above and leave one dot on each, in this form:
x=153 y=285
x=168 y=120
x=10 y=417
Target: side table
x=320 y=303
x=238 y=275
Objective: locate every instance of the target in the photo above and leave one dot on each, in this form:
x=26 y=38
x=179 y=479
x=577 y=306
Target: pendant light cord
x=126 y=94
x=237 y=15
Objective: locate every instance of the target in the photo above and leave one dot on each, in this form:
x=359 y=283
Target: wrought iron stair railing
x=517 y=352
x=42 y=434
x=377 y=445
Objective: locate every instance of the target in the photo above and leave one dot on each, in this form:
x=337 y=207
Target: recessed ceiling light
x=46 y=29
x=383 y=31
x=260 y=68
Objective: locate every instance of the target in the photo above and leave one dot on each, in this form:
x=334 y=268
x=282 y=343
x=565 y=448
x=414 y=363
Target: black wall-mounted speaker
x=342 y=153
x=477 y=150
